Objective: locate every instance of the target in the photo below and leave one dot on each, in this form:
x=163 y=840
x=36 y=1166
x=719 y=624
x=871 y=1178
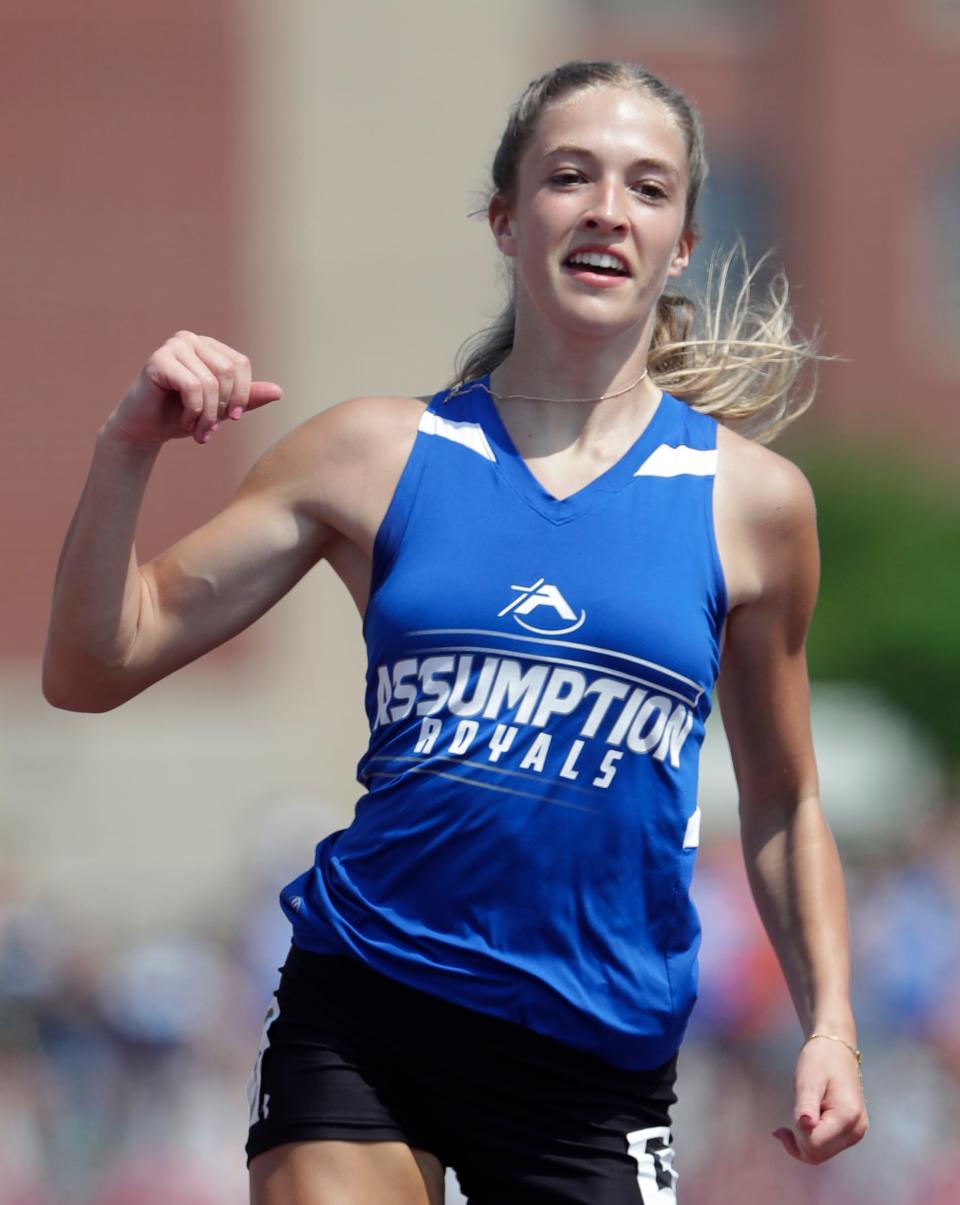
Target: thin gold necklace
x=526 y=397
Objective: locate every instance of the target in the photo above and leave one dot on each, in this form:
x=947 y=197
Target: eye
x=650 y=190
x=566 y=178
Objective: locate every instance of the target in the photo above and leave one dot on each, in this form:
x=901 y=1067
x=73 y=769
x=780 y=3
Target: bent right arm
x=115 y=626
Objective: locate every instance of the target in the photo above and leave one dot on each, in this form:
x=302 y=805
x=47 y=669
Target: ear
x=499 y=217
x=682 y=253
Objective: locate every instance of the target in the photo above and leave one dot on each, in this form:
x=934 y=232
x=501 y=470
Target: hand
x=830 y=1114
x=186 y=388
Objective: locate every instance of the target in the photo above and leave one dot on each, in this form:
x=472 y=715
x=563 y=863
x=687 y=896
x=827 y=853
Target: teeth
x=596 y=259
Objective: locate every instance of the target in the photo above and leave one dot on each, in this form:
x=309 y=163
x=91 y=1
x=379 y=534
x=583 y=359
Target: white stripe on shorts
x=258 y=1110
x=653 y=1154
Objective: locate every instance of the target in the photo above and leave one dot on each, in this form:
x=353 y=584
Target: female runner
x=493 y=966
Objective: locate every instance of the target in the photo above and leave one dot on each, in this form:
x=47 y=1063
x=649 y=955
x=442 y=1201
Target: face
x=596 y=228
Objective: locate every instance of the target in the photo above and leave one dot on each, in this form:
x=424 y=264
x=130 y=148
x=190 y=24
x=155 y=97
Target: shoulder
x=768 y=489
x=354 y=430
x=348 y=442
x=766 y=506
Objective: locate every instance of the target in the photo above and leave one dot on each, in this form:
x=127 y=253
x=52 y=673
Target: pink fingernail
x=204 y=437
x=235 y=412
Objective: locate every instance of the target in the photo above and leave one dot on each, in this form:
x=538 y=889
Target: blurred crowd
x=122 y=1070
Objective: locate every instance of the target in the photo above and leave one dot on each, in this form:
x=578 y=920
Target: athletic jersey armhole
x=703 y=431
x=723 y=599
x=390 y=532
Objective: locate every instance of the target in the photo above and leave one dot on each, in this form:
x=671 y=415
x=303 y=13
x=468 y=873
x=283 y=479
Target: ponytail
x=736 y=356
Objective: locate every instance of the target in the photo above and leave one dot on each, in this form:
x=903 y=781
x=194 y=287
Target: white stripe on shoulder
x=470 y=435
x=679 y=462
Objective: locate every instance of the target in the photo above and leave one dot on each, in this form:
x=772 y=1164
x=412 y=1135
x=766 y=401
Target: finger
x=247 y=394
x=242 y=373
x=226 y=374
x=262 y=393
x=217 y=357
x=171 y=375
x=206 y=420
x=224 y=370
x=788 y=1142
x=241 y=387
x=224 y=348
x=833 y=1135
x=805 y=1150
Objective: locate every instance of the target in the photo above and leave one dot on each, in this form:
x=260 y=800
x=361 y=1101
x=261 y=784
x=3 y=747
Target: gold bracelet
x=858 y=1055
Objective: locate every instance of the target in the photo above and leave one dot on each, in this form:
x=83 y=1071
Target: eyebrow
x=647 y=161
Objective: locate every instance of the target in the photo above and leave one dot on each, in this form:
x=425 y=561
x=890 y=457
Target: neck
x=573 y=383
x=576 y=382
x=553 y=362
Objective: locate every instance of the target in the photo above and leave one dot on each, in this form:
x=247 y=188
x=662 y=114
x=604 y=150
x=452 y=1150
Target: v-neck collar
x=532 y=490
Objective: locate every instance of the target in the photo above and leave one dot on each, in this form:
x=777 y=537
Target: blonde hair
x=733 y=355
x=736 y=356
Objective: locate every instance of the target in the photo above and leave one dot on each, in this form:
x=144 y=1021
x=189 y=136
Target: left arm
x=789 y=851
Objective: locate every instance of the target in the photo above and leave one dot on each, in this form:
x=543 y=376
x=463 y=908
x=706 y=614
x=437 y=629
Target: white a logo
x=542 y=594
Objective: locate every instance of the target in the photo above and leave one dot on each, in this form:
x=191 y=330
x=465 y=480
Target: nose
x=607 y=208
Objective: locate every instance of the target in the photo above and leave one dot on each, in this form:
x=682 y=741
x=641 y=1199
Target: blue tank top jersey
x=539 y=674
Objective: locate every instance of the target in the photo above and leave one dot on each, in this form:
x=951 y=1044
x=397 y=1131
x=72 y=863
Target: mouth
x=603 y=264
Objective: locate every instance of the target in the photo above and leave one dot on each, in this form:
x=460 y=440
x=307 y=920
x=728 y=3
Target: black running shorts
x=347 y=1053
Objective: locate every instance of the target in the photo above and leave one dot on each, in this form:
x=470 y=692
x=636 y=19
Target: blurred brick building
x=120 y=215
